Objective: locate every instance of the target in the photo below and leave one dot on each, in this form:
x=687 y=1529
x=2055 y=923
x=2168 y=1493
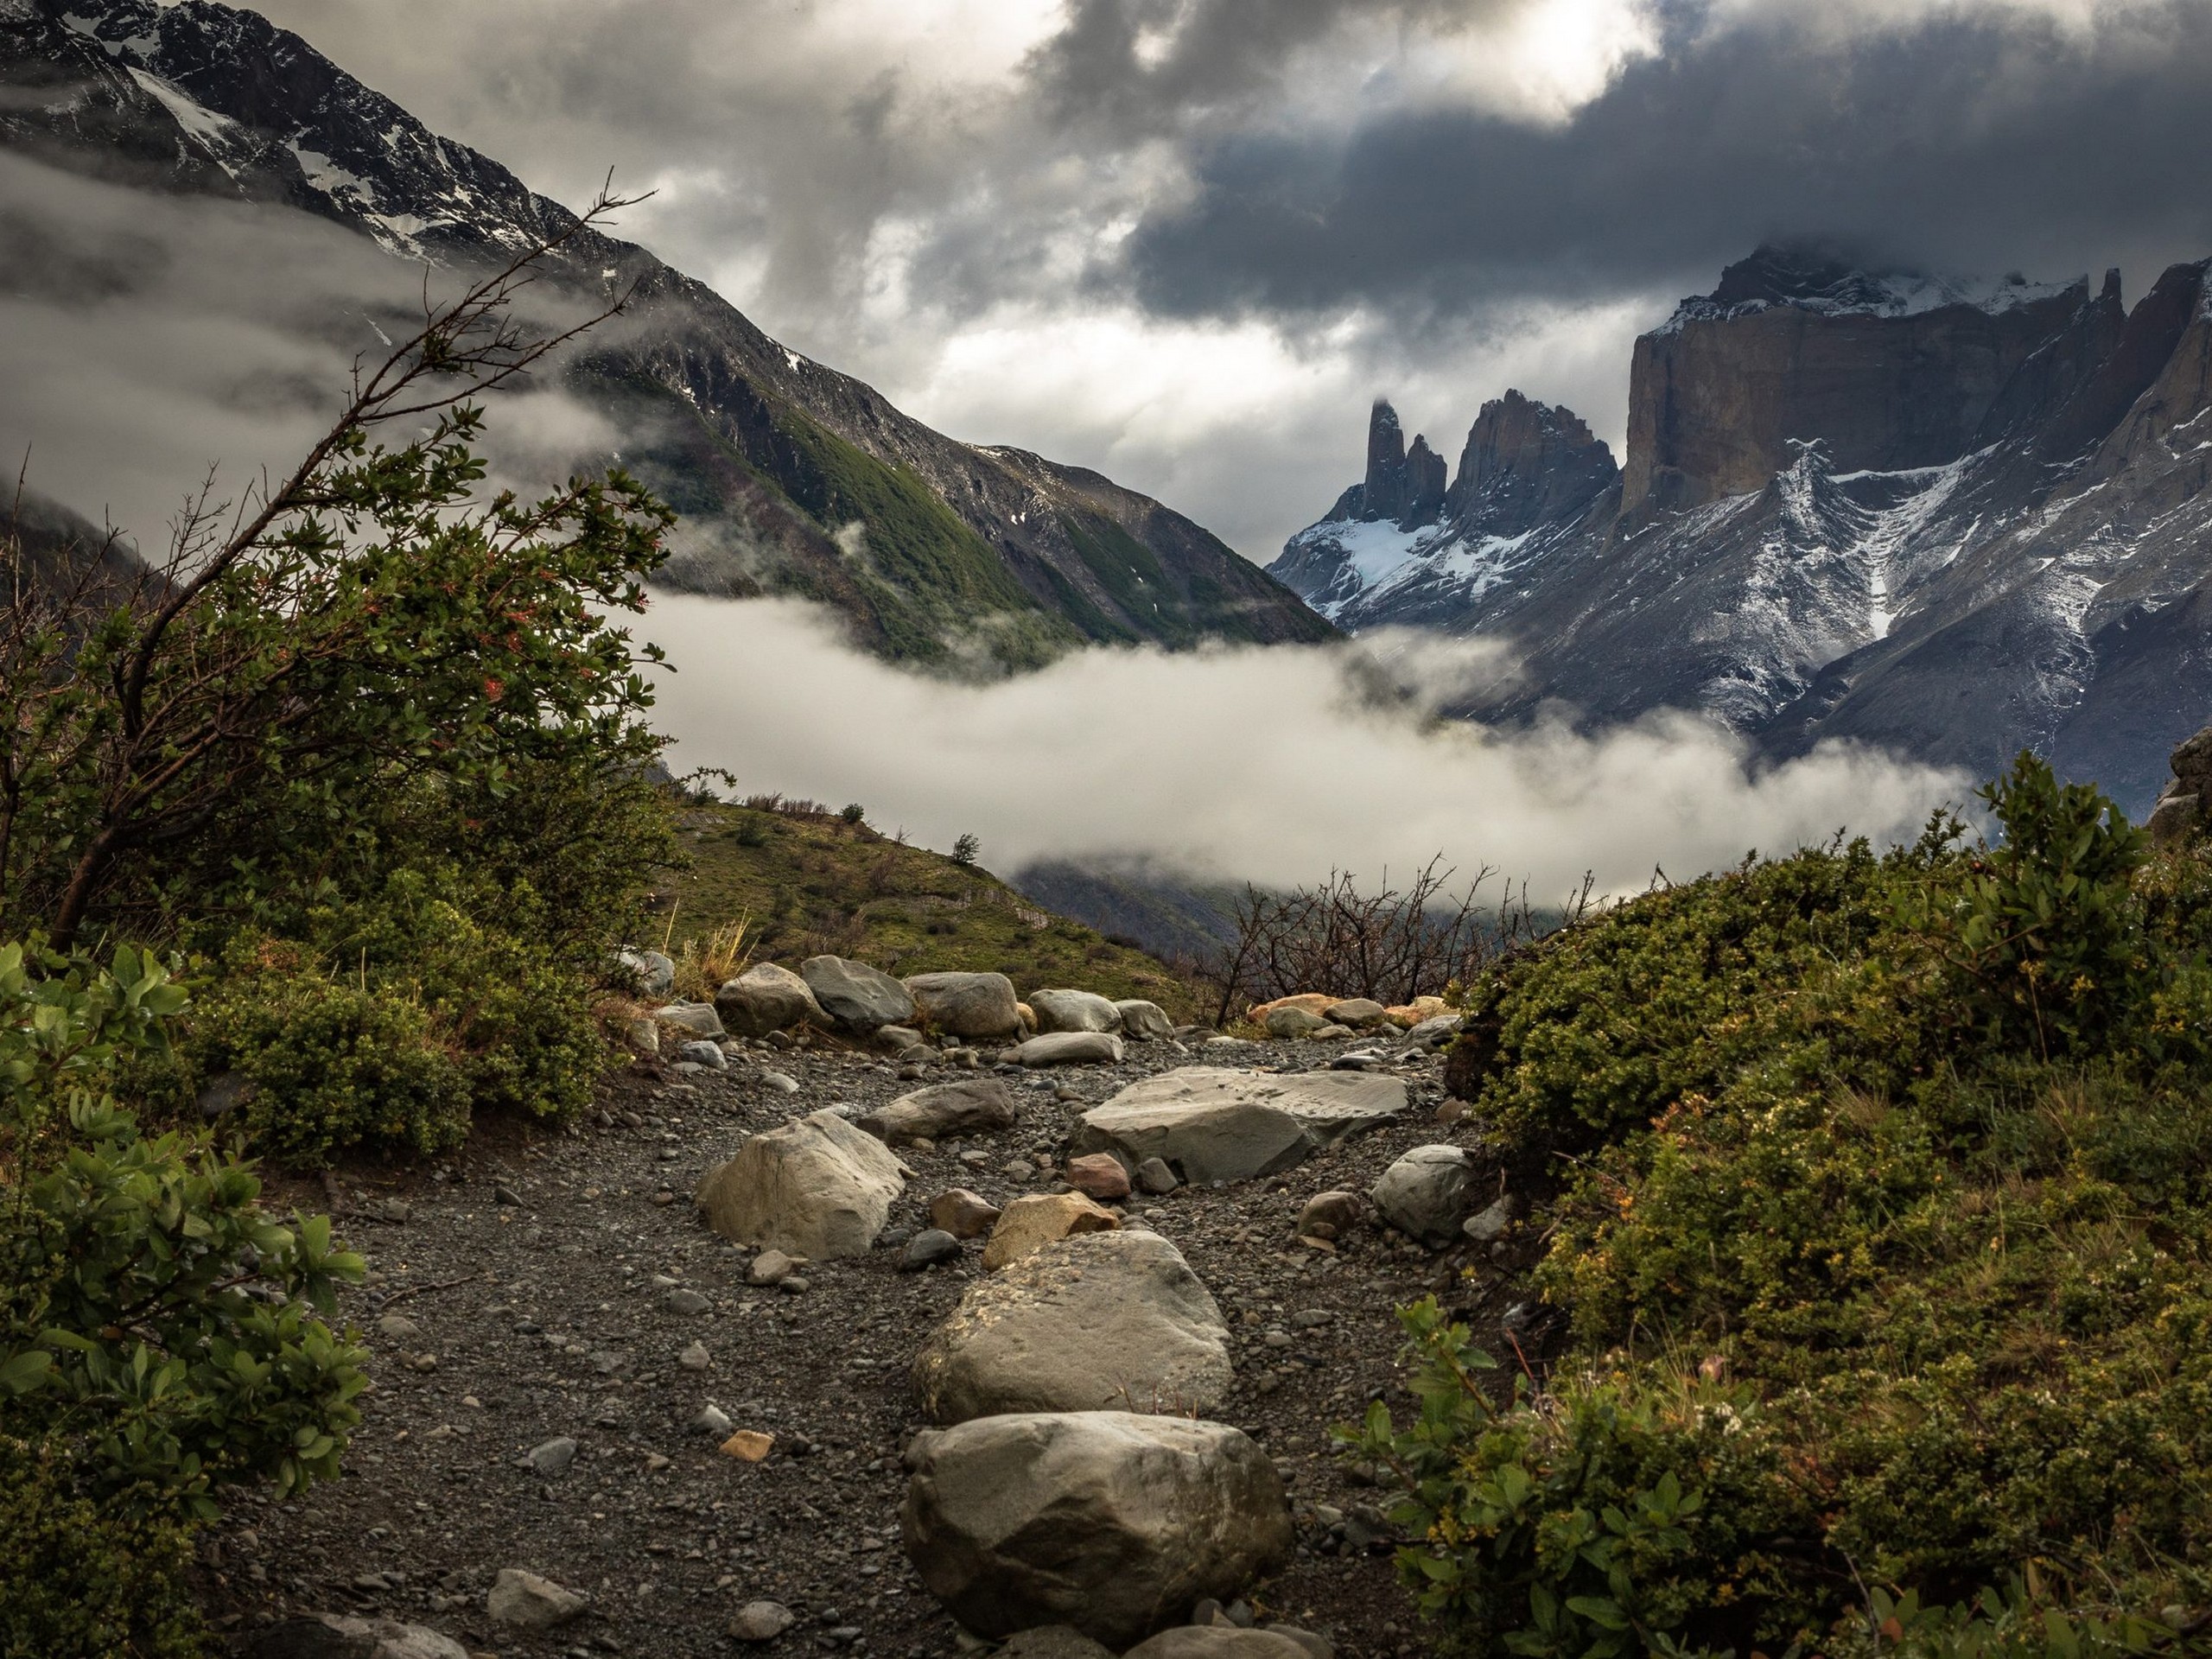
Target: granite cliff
x=1946 y=517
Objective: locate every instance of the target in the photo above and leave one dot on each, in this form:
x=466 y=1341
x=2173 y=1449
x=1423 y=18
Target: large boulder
x=1210 y=1123
x=1074 y=1011
x=1100 y=1321
x=1306 y=1002
x=1360 y=1011
x=766 y=998
x=1069 y=1048
x=966 y=1005
x=858 y=997
x=815 y=1187
x=1424 y=1194
x=1039 y=1218
x=1292 y=1023
x=1113 y=1523
x=970 y=1105
x=1146 y=1023
x=697 y=1018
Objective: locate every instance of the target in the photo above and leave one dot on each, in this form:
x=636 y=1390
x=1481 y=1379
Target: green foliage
x=2044 y=930
x=159 y=1334
x=397 y=1018
x=1886 y=1231
x=149 y=1312
x=853 y=812
x=86 y=1580
x=966 y=849
x=1569 y=1526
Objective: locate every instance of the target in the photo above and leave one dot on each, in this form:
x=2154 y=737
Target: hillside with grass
x=778 y=881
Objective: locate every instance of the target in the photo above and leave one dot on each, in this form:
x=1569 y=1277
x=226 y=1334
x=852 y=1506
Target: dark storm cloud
x=1968 y=143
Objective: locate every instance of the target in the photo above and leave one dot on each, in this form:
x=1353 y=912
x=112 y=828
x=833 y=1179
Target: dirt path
x=519 y=1295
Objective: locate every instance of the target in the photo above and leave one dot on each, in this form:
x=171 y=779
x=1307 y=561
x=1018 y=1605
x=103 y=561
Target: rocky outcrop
x=1113 y=1522
x=1947 y=518
x=1889 y=371
x=2187 y=800
x=1526 y=464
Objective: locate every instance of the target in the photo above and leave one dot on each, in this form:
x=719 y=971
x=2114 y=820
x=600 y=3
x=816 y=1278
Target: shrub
x=86 y=1580
x=397 y=1019
x=1912 y=1152
x=159 y=1337
x=853 y=812
x=966 y=850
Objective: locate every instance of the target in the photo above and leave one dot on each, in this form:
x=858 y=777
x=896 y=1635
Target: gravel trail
x=545 y=1288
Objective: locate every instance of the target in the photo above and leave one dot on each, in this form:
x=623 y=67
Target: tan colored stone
x=1040 y=1218
x=1099 y=1175
x=748 y=1445
x=1306 y=1002
x=964 y=1214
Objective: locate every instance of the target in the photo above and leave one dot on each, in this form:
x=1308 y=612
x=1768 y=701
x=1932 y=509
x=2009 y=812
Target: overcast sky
x=1185 y=241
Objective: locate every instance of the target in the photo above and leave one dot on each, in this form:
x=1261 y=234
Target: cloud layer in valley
x=1185 y=240
x=1270 y=764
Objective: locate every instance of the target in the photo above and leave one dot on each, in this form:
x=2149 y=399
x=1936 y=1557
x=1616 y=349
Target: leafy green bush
x=86 y=1580
x=159 y=1334
x=398 y=1018
x=1886 y=1237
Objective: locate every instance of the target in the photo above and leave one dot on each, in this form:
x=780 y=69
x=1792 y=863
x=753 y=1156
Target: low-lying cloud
x=1267 y=764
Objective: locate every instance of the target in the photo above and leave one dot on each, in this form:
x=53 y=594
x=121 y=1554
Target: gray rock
x=689 y=1303
x=523 y=1598
x=1294 y=1023
x=554 y=1457
x=397 y=1327
x=1112 y=1522
x=1227 y=1641
x=1155 y=1178
x=761 y=1621
x=898 y=1039
x=1424 y=1194
x=766 y=998
x=712 y=1420
x=971 y=1106
x=644 y=1036
x=928 y=1248
x=694 y=1356
x=1336 y=1211
x=1108 y=1320
x=858 y=997
x=1488 y=1226
x=1358 y=1059
x=782 y=1082
x=769 y=1267
x=647 y=973
x=1073 y=1011
x=966 y=1005
x=1145 y=1022
x=1358 y=1011
x=1435 y=1033
x=815 y=1186
x=1210 y=1123
x=338 y=1635
x=1070 y=1048
x=1053 y=1642
x=697 y=1018
x=700 y=1052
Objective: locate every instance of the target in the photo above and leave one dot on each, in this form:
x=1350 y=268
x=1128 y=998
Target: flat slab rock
x=1210 y=1123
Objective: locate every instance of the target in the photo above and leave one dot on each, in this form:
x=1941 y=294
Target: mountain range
x=791 y=478
x=1948 y=517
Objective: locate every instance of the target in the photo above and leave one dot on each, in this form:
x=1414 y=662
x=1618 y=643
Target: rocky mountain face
x=1948 y=517
x=791 y=478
